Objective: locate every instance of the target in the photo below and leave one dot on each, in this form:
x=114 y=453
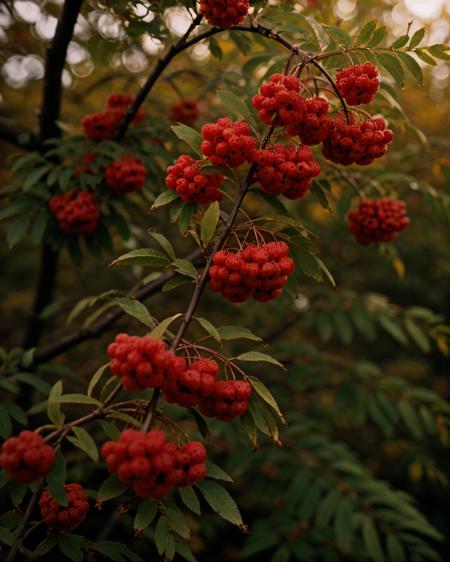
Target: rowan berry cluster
x=143 y=362
x=224 y=13
x=258 y=272
x=126 y=175
x=228 y=144
x=77 y=212
x=64 y=518
x=354 y=142
x=185 y=111
x=358 y=83
x=84 y=167
x=27 y=457
x=377 y=220
x=151 y=464
x=102 y=125
x=286 y=170
x=315 y=126
x=279 y=103
x=198 y=386
x=191 y=184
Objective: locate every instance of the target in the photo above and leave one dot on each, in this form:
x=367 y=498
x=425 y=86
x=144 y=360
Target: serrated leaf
x=159 y=331
x=190 y=136
x=209 y=223
x=135 y=309
x=144 y=256
x=190 y=499
x=220 y=501
x=86 y=443
x=163 y=199
x=378 y=36
x=392 y=65
x=111 y=488
x=257 y=356
x=400 y=42
x=366 y=32
x=56 y=479
x=262 y=391
x=96 y=378
x=237 y=333
x=145 y=514
x=208 y=327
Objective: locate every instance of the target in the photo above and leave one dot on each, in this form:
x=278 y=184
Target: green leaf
x=417 y=38
x=176 y=520
x=17 y=492
x=377 y=37
x=159 y=331
x=440 y=51
x=236 y=105
x=16 y=412
x=371 y=540
x=319 y=31
x=215 y=49
x=111 y=488
x=71 y=545
x=162 y=533
x=185 y=267
x=77 y=399
x=56 y=479
x=163 y=199
x=174 y=283
x=135 y=309
x=261 y=389
x=400 y=42
x=38 y=227
x=417 y=335
x=6 y=537
x=18 y=230
x=144 y=256
x=395 y=550
x=327 y=508
x=33 y=177
x=425 y=57
x=53 y=407
x=86 y=443
x=343 y=326
x=215 y=472
x=412 y=65
x=145 y=513
x=237 y=333
x=110 y=430
x=366 y=33
x=208 y=327
x=393 y=329
x=363 y=323
x=18 y=206
x=220 y=501
x=343 y=524
x=190 y=499
x=184 y=551
x=45 y=546
x=410 y=417
x=392 y=65
x=5 y=423
x=164 y=243
x=189 y=136
x=96 y=378
x=209 y=223
x=257 y=356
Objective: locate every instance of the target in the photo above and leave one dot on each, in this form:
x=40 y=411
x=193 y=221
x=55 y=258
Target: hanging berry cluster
x=358 y=84
x=103 y=125
x=185 y=111
x=151 y=464
x=76 y=212
x=258 y=272
x=27 y=457
x=378 y=220
x=191 y=184
x=64 y=518
x=224 y=13
x=198 y=386
x=126 y=175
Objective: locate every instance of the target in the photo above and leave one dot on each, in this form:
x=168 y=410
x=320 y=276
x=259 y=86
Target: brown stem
x=333 y=85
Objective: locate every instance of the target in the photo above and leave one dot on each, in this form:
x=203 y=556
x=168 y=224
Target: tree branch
x=17 y=134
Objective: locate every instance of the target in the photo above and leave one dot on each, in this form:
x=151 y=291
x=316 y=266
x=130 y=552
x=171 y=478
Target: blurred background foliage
x=362 y=394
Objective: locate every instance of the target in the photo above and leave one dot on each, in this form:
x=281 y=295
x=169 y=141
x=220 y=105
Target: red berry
x=77 y=212
x=224 y=13
x=126 y=175
x=27 y=457
x=358 y=83
x=228 y=143
x=64 y=518
x=377 y=220
x=185 y=111
x=191 y=184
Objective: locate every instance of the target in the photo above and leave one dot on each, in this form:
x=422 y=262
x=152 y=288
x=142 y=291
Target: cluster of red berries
x=354 y=142
x=143 y=362
x=84 y=167
x=102 y=125
x=279 y=103
x=27 y=457
x=191 y=184
x=76 y=212
x=198 y=386
x=224 y=13
x=228 y=144
x=126 y=175
x=378 y=220
x=286 y=170
x=64 y=518
x=185 y=111
x=315 y=126
x=258 y=272
x=358 y=83
x=151 y=464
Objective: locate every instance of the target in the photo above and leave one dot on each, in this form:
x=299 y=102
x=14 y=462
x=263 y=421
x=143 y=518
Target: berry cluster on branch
x=64 y=518
x=27 y=457
x=76 y=212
